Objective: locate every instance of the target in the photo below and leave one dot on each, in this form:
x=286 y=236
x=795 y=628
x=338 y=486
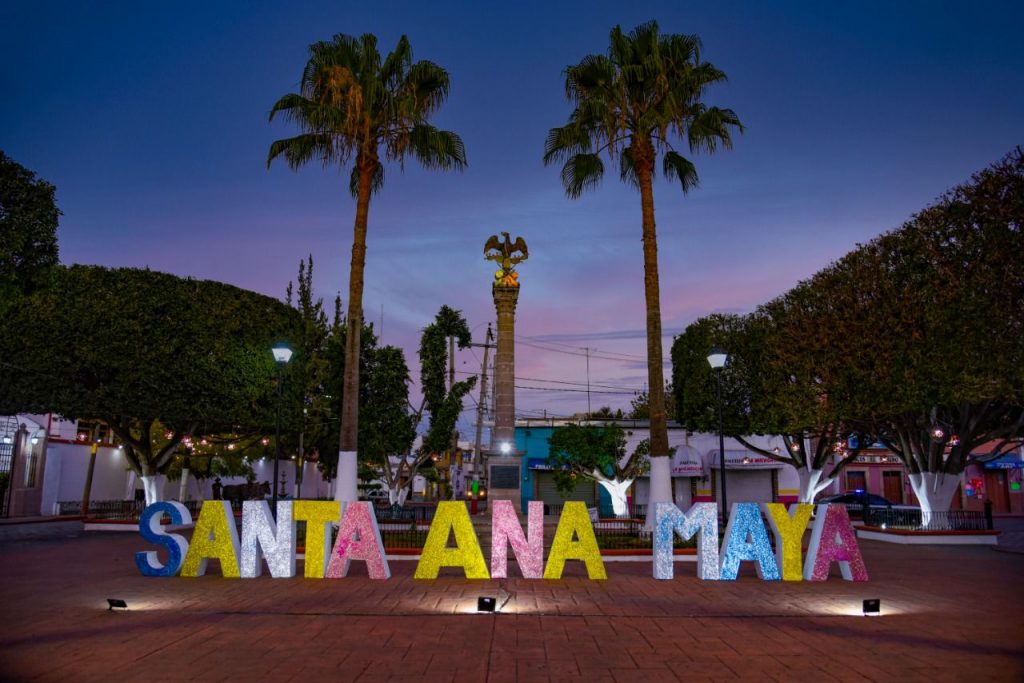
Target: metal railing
x=916 y=520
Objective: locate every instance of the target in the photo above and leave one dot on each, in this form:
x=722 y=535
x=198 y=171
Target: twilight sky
x=151 y=119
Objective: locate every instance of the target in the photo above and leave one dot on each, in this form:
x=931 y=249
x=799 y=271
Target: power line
x=571 y=346
x=560 y=381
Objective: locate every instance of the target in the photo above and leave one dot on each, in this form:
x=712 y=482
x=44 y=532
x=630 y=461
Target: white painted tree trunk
x=183 y=487
x=617 y=491
x=152 y=484
x=661 y=487
x=129 y=488
x=347 y=483
x=397 y=496
x=934 y=491
x=812 y=482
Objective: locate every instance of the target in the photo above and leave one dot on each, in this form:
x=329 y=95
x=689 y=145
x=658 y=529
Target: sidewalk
x=949 y=613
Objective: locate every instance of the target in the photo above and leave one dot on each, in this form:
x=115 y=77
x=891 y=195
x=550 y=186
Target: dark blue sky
x=151 y=119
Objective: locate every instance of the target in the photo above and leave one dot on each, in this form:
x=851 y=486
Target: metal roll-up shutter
x=753 y=486
x=549 y=494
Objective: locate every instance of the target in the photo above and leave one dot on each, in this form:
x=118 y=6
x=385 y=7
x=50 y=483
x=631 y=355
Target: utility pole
x=478 y=447
x=587 y=350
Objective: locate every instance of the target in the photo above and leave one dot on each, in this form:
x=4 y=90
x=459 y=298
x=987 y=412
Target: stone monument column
x=504 y=475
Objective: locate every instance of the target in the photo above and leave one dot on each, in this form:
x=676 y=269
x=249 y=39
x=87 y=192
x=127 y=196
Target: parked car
x=857 y=501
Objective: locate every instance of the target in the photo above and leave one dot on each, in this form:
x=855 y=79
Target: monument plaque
x=504 y=476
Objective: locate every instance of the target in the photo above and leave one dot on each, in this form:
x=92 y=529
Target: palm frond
x=435 y=148
x=581 y=172
x=299 y=150
x=627 y=170
x=675 y=165
x=565 y=142
x=711 y=128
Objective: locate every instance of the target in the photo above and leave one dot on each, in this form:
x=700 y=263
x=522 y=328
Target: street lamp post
x=282 y=354
x=717 y=359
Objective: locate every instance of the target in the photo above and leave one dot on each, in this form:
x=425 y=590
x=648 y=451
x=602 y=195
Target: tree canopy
x=354 y=105
x=155 y=356
x=28 y=229
x=643 y=99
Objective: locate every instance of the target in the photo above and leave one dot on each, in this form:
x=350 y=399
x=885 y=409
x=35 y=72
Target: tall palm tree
x=631 y=104
x=352 y=106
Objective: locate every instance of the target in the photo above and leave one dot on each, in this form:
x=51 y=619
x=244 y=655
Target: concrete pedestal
x=504 y=479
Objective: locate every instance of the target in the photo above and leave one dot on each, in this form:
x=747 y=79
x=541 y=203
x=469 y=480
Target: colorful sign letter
x=575 y=521
x=263 y=537
x=319 y=515
x=505 y=531
x=358 y=539
x=700 y=519
x=789 y=528
x=451 y=516
x=152 y=531
x=215 y=536
x=833 y=540
x=746 y=538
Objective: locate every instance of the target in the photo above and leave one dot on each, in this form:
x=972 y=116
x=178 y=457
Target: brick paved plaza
x=950 y=613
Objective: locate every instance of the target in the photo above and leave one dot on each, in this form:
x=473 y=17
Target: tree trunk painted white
x=661 y=487
x=812 y=482
x=152 y=484
x=397 y=496
x=129 y=487
x=347 y=489
x=183 y=487
x=617 y=492
x=934 y=491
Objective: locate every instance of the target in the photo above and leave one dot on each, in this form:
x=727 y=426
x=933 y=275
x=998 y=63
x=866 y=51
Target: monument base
x=504 y=479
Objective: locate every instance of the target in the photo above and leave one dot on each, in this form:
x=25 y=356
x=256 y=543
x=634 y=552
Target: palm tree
x=352 y=106
x=631 y=104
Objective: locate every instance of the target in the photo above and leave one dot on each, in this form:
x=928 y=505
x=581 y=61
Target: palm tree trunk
x=660 y=478
x=347 y=458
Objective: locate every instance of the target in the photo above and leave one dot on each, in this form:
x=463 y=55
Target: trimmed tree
x=597 y=453
x=352 y=105
x=631 y=103
x=157 y=357
x=760 y=396
x=28 y=230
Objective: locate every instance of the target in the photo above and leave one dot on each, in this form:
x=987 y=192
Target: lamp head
x=717 y=358
x=282 y=354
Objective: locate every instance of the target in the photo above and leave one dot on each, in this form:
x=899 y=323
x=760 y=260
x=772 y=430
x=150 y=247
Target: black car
x=860 y=498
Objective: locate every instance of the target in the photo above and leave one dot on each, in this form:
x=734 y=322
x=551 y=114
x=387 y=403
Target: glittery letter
x=261 y=536
x=747 y=539
x=153 y=532
x=788 y=528
x=215 y=536
x=318 y=515
x=575 y=521
x=505 y=531
x=833 y=540
x=700 y=519
x=358 y=539
x=451 y=516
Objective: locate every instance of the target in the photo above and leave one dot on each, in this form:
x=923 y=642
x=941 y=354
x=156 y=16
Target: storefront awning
x=742 y=460
x=1006 y=461
x=686 y=462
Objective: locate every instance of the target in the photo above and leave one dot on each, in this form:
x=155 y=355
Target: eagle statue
x=507 y=254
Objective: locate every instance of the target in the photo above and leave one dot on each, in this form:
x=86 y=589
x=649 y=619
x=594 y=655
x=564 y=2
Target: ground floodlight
x=115 y=602
x=484 y=604
x=872 y=607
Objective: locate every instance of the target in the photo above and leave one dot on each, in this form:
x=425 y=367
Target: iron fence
x=916 y=520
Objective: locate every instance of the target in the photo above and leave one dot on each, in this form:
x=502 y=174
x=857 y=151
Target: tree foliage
x=28 y=230
x=155 y=356
x=597 y=453
x=642 y=100
x=444 y=403
x=352 y=105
